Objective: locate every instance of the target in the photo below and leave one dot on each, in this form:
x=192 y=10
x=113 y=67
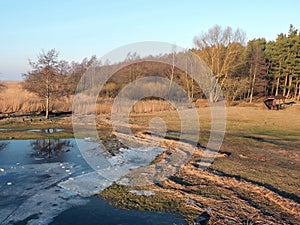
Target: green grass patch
x=119 y=196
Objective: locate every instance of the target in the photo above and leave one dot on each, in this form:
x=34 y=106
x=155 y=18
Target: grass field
x=255 y=179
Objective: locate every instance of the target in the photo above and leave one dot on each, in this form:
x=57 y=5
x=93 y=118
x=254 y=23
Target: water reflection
x=49 y=147
x=47 y=131
x=3 y=145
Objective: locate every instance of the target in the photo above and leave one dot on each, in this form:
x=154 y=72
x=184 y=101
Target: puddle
x=5 y=129
x=47 y=131
x=174 y=133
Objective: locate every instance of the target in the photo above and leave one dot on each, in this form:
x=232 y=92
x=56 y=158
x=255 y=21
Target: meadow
x=253 y=180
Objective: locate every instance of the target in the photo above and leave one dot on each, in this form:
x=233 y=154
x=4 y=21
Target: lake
x=48 y=181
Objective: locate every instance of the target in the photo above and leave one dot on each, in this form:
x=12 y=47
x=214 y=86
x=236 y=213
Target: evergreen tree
x=283 y=57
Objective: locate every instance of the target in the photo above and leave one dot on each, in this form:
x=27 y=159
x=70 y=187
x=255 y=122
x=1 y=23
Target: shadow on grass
x=268 y=186
x=274 y=141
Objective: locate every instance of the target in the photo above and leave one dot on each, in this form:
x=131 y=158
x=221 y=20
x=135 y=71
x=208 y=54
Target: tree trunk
x=211 y=96
x=298 y=92
x=278 y=80
x=277 y=86
x=273 y=88
x=172 y=73
x=296 y=88
x=47 y=107
x=290 y=86
x=252 y=85
x=285 y=85
x=187 y=80
x=192 y=84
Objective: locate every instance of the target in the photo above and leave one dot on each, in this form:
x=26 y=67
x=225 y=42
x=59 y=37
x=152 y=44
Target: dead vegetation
x=15 y=100
x=253 y=180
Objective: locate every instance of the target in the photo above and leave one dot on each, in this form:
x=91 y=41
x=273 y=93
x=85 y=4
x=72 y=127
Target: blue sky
x=79 y=28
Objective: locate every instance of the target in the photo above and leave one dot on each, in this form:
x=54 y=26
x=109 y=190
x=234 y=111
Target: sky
x=82 y=28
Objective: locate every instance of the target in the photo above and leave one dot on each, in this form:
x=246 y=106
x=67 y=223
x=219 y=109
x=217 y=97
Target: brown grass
x=86 y=105
x=256 y=183
x=14 y=99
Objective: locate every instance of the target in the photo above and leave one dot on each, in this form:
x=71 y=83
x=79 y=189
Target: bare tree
x=220 y=49
x=47 y=78
x=256 y=63
x=76 y=72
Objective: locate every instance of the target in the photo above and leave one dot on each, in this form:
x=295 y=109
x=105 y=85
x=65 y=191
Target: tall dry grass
x=87 y=105
x=14 y=99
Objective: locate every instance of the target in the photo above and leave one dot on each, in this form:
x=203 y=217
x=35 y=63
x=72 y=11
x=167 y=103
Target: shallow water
x=99 y=212
x=38 y=185
x=47 y=131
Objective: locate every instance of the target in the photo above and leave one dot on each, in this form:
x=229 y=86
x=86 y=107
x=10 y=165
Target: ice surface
x=136 y=157
x=86 y=185
x=35 y=193
x=93 y=153
x=43 y=206
x=120 y=165
x=143 y=192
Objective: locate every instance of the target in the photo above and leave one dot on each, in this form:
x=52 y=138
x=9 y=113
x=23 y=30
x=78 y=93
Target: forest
x=245 y=71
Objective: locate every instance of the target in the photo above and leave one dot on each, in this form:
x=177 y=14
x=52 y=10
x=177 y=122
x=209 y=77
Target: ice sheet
x=143 y=192
x=32 y=195
x=35 y=193
x=120 y=165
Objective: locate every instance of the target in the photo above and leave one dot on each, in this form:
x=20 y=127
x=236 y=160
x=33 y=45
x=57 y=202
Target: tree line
x=244 y=71
x=256 y=69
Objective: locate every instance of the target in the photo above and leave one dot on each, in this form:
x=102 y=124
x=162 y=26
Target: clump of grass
x=119 y=196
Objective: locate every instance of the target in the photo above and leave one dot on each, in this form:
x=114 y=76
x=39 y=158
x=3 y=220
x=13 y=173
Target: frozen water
x=93 y=154
x=43 y=206
x=120 y=165
x=49 y=130
x=86 y=185
x=35 y=193
x=136 y=156
x=142 y=192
